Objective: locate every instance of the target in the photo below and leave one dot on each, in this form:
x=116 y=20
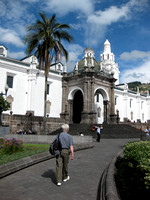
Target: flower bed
x=9 y=146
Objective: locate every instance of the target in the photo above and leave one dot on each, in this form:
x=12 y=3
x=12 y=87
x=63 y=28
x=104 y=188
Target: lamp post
x=6 y=90
x=1 y=108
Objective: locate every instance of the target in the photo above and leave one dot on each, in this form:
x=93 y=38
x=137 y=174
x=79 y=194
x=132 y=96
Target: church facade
x=90 y=94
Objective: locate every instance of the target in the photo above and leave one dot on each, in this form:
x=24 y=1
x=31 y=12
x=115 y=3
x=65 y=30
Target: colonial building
x=90 y=94
x=26 y=86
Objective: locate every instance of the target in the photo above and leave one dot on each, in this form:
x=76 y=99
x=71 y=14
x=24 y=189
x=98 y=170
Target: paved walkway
x=38 y=181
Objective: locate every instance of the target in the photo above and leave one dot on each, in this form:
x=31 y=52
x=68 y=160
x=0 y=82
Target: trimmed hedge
x=132 y=177
x=137 y=154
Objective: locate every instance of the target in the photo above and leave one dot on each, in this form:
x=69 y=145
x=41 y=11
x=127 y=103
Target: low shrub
x=137 y=154
x=9 y=146
x=133 y=171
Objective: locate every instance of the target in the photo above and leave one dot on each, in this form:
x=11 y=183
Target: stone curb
x=107 y=187
x=17 y=165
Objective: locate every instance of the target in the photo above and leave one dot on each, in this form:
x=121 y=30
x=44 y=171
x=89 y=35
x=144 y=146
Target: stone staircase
x=120 y=131
x=115 y=131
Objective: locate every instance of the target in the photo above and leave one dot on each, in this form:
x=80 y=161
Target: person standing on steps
x=62 y=160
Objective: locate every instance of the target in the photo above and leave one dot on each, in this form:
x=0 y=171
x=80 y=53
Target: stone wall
x=47 y=139
x=4 y=130
x=143 y=127
x=32 y=123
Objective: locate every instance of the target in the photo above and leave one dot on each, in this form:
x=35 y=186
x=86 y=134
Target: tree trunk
x=0 y=118
x=45 y=98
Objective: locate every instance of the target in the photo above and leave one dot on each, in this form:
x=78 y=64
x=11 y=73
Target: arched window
x=97 y=98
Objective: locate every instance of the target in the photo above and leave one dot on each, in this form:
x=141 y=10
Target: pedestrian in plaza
x=98 y=130
x=147 y=130
x=62 y=160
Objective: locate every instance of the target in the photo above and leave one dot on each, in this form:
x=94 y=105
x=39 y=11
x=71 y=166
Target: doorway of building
x=77 y=107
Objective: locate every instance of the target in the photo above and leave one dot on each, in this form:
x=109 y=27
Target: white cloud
x=75 y=51
x=135 y=55
x=141 y=74
x=15 y=10
x=109 y=16
x=94 y=34
x=16 y=55
x=2 y=8
x=11 y=37
x=63 y=7
x=99 y=21
x=76 y=26
x=30 y=1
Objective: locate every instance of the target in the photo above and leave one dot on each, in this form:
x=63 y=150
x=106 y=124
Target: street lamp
x=6 y=90
x=2 y=94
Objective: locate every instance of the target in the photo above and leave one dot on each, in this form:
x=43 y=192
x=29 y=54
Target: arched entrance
x=77 y=106
x=101 y=101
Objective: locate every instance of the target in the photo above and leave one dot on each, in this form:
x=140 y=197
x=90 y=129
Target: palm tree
x=44 y=40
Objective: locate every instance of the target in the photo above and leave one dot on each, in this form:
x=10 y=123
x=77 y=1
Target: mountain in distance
x=143 y=87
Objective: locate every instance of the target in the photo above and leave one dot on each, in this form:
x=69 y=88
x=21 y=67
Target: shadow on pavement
x=50 y=174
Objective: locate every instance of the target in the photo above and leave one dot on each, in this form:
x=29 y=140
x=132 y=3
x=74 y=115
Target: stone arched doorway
x=77 y=106
x=101 y=102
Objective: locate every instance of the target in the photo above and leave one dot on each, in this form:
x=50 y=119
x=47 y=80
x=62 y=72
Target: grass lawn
x=28 y=150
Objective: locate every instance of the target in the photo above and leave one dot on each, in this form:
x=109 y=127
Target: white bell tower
x=107 y=61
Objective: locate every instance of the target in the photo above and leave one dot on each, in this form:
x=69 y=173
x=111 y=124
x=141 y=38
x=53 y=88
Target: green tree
x=44 y=39
x=4 y=105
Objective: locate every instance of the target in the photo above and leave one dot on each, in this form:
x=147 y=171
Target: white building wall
x=18 y=93
x=55 y=95
x=147 y=106
x=99 y=108
x=19 y=85
x=130 y=102
x=28 y=88
x=37 y=98
x=29 y=84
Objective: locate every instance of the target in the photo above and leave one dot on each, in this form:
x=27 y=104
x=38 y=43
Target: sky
x=125 y=23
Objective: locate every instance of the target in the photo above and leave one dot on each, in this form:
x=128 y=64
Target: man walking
x=62 y=160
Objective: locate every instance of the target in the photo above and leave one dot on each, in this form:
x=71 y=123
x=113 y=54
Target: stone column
x=70 y=110
x=112 y=101
x=84 y=114
x=64 y=114
x=105 y=112
x=92 y=94
x=113 y=116
x=64 y=86
x=92 y=102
